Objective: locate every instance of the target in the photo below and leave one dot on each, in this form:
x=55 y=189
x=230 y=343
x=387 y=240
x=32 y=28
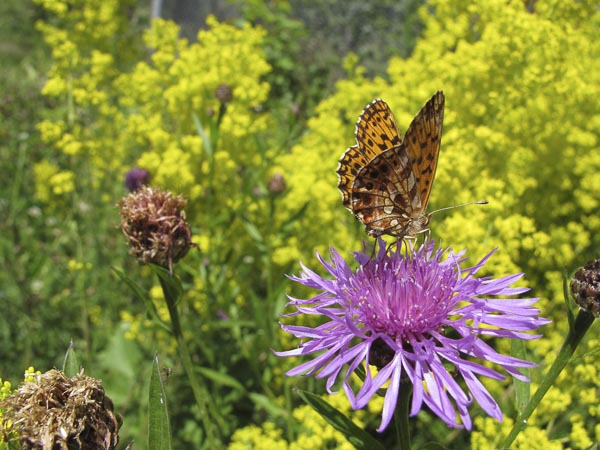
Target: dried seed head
x=154 y=222
x=54 y=411
x=585 y=287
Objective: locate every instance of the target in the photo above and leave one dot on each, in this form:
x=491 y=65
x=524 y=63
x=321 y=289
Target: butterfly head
x=403 y=227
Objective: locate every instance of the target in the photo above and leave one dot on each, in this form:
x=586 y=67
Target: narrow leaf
x=355 y=435
x=171 y=285
x=141 y=295
x=264 y=403
x=288 y=225
x=221 y=378
x=159 y=434
x=205 y=138
x=253 y=232
x=522 y=392
x=70 y=363
x=568 y=302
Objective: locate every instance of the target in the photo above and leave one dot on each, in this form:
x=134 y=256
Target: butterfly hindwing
x=381 y=192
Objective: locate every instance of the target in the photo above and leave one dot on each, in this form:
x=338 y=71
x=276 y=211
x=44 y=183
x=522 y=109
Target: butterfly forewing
x=423 y=139
x=376 y=129
x=386 y=181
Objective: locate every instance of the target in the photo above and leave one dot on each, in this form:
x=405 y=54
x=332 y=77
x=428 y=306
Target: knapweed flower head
x=136 y=178
x=54 y=411
x=417 y=318
x=154 y=223
x=585 y=287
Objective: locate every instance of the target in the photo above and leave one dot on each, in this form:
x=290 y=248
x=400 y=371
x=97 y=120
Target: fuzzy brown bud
x=585 y=287
x=224 y=93
x=56 y=412
x=154 y=222
x=276 y=184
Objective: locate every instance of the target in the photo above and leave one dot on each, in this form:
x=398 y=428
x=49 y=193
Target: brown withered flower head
x=56 y=412
x=585 y=287
x=224 y=93
x=276 y=184
x=154 y=222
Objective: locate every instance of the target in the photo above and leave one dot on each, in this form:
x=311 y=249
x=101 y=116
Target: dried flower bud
x=224 y=93
x=276 y=184
x=136 y=178
x=585 y=287
x=153 y=221
x=54 y=411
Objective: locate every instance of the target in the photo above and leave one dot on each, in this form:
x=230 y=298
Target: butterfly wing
x=422 y=140
x=386 y=180
x=380 y=195
x=376 y=131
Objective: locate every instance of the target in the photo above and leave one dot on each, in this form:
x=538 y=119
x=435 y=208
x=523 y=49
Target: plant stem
x=401 y=416
x=200 y=393
x=582 y=323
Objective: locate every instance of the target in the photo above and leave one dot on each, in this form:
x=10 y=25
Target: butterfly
x=386 y=179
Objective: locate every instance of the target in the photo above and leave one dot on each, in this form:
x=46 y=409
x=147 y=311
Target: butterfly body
x=386 y=180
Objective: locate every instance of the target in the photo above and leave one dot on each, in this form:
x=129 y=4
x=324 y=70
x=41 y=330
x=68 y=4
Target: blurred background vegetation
x=246 y=110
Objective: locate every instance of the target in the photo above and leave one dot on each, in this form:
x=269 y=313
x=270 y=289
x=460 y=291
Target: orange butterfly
x=386 y=180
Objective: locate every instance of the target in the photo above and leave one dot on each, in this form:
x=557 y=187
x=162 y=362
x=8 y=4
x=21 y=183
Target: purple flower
x=136 y=178
x=419 y=318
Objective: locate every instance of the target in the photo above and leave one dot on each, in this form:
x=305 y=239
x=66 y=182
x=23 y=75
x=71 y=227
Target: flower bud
x=585 y=287
x=276 y=184
x=136 y=178
x=224 y=93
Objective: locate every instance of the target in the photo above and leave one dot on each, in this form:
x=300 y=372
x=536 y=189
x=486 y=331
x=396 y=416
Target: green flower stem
x=203 y=399
x=582 y=323
x=401 y=416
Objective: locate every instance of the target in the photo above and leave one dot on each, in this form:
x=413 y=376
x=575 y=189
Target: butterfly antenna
x=373 y=249
x=480 y=202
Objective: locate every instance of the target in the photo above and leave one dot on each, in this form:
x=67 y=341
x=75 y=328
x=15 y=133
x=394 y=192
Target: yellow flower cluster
x=487 y=433
x=313 y=432
x=51 y=182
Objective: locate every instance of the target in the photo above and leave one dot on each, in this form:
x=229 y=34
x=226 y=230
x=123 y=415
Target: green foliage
x=159 y=431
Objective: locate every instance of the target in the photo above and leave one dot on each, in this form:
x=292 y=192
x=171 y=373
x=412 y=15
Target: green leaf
x=288 y=225
x=254 y=233
x=70 y=364
x=355 y=435
x=171 y=284
x=141 y=295
x=570 y=304
x=159 y=434
x=205 y=138
x=522 y=392
x=264 y=403
x=221 y=378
